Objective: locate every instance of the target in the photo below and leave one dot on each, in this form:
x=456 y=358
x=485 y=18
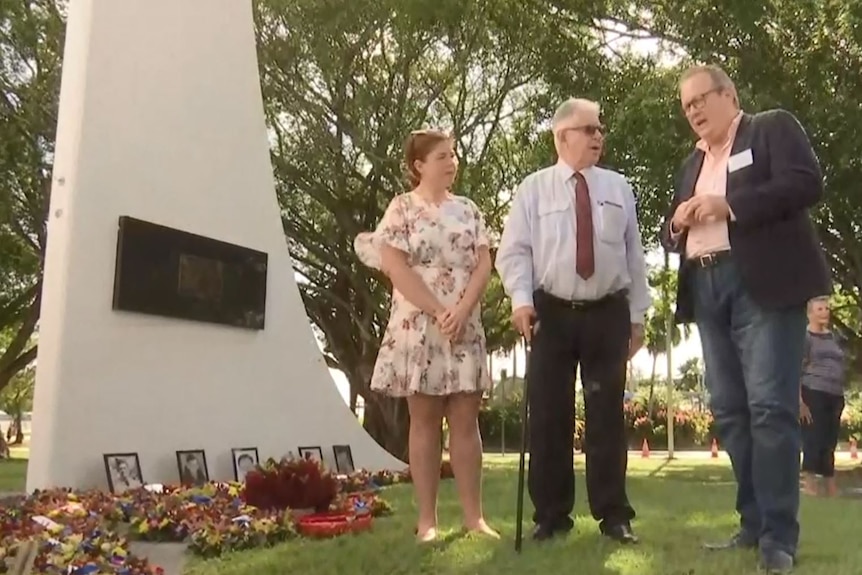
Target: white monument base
x=161 y=119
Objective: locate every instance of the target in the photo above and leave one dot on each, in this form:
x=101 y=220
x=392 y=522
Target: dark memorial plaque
x=168 y=272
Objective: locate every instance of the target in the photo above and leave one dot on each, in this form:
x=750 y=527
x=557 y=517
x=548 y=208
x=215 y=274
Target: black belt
x=709 y=260
x=579 y=304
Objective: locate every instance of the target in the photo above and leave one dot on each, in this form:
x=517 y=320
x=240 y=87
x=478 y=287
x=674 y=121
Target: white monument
x=161 y=119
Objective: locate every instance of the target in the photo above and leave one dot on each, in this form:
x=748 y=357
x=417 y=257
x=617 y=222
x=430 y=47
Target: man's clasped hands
x=702 y=208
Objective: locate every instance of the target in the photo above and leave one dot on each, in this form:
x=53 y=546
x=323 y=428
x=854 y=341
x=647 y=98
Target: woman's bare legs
x=465 y=451
x=426 y=418
x=810 y=484
x=831 y=486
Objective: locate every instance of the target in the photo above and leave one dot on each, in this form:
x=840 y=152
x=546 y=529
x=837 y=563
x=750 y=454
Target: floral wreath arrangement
x=88 y=532
x=79 y=546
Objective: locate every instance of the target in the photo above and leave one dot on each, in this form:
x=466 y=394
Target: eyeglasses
x=588 y=129
x=699 y=101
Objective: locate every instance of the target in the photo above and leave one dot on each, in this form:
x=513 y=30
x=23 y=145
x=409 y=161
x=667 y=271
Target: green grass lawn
x=679 y=504
x=12 y=475
x=13 y=472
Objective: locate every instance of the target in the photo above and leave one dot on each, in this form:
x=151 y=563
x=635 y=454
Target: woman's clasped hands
x=452 y=321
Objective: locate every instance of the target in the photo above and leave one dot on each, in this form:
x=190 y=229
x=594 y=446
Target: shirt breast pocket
x=612 y=222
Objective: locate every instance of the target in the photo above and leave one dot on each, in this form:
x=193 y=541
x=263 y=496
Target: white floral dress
x=442 y=243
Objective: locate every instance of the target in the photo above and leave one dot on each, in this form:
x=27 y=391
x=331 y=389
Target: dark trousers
x=596 y=339
x=753 y=364
x=820 y=436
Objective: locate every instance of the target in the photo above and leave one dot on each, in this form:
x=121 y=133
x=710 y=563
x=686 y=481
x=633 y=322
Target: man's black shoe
x=543 y=531
x=621 y=533
x=776 y=562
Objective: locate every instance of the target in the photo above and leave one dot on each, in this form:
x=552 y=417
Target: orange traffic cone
x=854 y=454
x=645 y=449
x=714 y=451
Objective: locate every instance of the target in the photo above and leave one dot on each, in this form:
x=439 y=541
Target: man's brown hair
x=720 y=79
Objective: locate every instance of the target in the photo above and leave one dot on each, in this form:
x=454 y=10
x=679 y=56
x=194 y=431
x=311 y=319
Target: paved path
x=169 y=556
x=839 y=455
x=843 y=456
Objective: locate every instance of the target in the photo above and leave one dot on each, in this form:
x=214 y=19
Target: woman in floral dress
x=433 y=247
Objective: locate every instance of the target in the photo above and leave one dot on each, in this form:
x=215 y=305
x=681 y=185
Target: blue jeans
x=753 y=365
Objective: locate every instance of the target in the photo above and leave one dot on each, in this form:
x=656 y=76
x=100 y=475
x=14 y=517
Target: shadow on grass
x=686 y=472
x=711 y=471
x=660 y=468
x=589 y=551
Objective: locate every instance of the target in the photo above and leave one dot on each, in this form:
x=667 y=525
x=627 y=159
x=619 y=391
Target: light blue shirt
x=538 y=247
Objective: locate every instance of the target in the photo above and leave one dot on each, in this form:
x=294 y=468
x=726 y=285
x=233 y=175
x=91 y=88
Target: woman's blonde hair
x=818 y=299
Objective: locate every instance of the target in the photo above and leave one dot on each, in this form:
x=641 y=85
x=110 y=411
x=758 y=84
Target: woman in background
x=821 y=399
x=433 y=247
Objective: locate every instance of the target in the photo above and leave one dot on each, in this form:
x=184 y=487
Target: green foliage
x=496 y=311
x=507 y=390
x=17 y=398
x=690 y=375
x=693 y=428
x=31 y=44
x=500 y=422
x=647 y=138
x=662 y=283
x=18 y=395
x=851 y=419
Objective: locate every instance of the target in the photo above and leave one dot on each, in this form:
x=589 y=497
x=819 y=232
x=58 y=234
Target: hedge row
x=692 y=428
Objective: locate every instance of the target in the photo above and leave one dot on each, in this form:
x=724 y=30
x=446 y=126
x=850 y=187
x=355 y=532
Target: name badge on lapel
x=740 y=160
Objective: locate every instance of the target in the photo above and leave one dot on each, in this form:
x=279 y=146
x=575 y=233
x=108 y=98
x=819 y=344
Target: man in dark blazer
x=750 y=260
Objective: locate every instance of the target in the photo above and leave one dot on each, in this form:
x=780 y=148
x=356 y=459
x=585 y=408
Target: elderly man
x=572 y=261
x=750 y=262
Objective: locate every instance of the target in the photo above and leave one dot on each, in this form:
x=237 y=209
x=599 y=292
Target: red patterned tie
x=586 y=264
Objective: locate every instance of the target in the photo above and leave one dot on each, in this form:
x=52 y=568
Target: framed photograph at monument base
x=173 y=273
x=314 y=453
x=123 y=471
x=192 y=465
x=244 y=460
x=343 y=459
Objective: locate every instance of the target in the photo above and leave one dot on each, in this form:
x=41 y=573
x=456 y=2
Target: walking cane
x=521 y=464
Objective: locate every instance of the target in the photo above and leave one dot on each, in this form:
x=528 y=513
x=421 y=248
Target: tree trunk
x=491 y=373
x=651 y=400
x=354 y=395
x=386 y=419
x=19 y=428
x=388 y=422
x=514 y=363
